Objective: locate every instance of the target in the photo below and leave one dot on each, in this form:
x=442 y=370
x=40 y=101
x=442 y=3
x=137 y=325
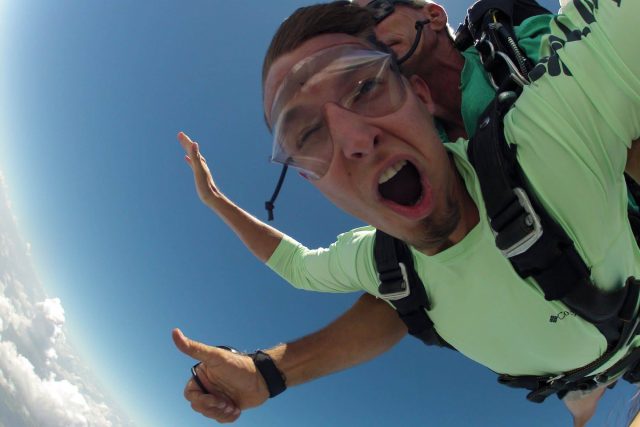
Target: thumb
x=194 y=349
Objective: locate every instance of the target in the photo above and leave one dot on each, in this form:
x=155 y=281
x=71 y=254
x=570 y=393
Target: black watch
x=274 y=378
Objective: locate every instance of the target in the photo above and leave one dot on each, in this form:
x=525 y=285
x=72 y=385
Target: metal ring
x=232 y=349
x=194 y=375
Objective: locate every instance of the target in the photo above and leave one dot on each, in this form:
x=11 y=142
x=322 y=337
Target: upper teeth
x=391 y=172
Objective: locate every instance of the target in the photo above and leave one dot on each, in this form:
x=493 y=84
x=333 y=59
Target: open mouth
x=401 y=184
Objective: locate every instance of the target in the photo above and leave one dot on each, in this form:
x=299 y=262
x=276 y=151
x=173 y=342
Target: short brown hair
x=307 y=22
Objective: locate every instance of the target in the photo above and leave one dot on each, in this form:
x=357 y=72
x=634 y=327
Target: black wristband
x=272 y=375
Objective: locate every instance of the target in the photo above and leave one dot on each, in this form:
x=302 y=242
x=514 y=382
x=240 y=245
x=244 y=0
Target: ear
x=437 y=15
x=422 y=91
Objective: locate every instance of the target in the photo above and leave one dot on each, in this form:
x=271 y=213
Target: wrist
x=215 y=200
x=273 y=377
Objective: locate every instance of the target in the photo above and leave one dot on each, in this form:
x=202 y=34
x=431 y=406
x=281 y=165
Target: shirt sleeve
x=345 y=266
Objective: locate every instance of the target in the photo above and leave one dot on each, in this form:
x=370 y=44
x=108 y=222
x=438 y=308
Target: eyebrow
x=298 y=111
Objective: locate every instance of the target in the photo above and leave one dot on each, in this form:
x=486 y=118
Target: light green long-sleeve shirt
x=572 y=128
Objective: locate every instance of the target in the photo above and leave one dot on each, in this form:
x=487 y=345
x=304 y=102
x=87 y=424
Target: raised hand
x=231 y=380
x=206 y=187
x=261 y=239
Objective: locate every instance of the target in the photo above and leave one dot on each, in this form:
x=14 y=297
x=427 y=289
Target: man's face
x=398 y=32
x=390 y=171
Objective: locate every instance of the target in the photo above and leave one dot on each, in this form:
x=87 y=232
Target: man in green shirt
x=401 y=138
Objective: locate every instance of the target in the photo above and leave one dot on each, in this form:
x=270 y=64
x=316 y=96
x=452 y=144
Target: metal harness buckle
x=396 y=289
x=528 y=219
x=489 y=54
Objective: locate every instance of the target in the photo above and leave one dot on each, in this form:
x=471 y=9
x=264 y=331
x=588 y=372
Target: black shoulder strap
x=401 y=286
x=513 y=11
x=538 y=247
x=582 y=378
x=534 y=243
x=489 y=26
x=633 y=191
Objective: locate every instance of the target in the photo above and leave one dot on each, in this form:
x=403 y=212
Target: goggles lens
x=365 y=82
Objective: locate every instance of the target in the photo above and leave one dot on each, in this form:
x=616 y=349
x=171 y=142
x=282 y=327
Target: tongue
x=404 y=188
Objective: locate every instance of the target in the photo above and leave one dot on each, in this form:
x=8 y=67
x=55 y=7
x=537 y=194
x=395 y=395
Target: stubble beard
x=437 y=228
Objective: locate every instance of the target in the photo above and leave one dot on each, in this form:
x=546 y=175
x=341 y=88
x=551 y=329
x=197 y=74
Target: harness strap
x=525 y=233
x=538 y=247
x=489 y=25
x=579 y=379
x=515 y=10
x=401 y=286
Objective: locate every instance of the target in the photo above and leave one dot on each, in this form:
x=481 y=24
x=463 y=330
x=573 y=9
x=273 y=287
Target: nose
x=350 y=132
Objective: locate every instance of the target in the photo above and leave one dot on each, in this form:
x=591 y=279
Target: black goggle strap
x=419 y=26
x=269 y=204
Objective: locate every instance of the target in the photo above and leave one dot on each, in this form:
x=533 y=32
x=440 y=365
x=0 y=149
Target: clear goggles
x=365 y=82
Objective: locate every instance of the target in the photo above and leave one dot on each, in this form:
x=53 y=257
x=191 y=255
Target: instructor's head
x=416 y=30
x=343 y=115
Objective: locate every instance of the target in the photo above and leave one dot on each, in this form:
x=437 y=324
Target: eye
x=307 y=134
x=366 y=89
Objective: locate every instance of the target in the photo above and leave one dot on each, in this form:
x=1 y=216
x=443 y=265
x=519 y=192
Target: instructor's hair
x=310 y=21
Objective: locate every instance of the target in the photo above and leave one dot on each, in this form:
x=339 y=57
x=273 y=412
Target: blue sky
x=92 y=95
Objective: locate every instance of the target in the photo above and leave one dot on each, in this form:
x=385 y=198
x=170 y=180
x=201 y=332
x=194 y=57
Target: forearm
x=366 y=330
x=260 y=238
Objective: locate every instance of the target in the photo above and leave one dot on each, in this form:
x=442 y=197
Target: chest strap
x=525 y=233
x=542 y=387
x=402 y=288
x=539 y=248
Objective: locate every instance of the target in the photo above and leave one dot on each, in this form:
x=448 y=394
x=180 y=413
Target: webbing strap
x=489 y=26
x=542 y=387
x=402 y=287
x=534 y=243
x=515 y=10
x=538 y=247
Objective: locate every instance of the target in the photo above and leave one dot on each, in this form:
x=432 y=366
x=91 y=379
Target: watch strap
x=272 y=375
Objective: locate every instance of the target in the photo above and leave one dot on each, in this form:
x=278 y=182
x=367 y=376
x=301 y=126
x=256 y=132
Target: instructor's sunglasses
x=383 y=8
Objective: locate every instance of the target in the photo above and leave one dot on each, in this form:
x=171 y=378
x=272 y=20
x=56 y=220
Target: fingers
x=195 y=349
x=195 y=154
x=186 y=144
x=185 y=141
x=192 y=150
x=220 y=415
x=214 y=405
x=190 y=147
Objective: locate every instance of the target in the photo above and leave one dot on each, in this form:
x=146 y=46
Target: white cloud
x=49 y=401
x=41 y=381
x=6 y=384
